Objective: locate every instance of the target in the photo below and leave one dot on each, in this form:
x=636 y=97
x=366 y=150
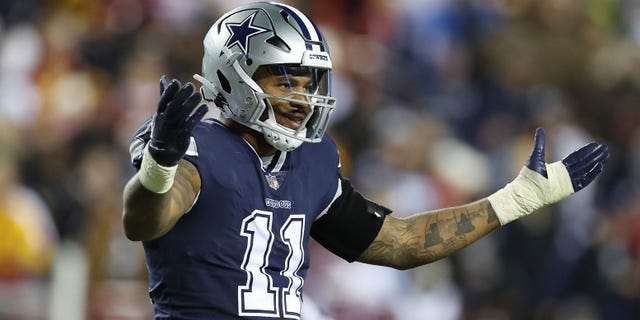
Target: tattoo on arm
x=147 y=215
x=432 y=236
x=464 y=225
x=427 y=237
x=186 y=185
x=492 y=217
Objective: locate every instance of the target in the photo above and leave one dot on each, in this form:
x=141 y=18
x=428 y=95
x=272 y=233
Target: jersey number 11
x=258 y=296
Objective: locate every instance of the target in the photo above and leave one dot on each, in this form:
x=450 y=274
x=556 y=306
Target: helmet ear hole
x=224 y=82
x=278 y=42
x=284 y=15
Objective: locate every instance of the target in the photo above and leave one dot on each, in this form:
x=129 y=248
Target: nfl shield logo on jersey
x=275 y=179
x=272 y=180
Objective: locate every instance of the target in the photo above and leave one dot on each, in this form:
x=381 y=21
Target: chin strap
x=279 y=140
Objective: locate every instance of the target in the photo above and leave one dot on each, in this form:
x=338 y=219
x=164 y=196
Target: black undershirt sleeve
x=350 y=225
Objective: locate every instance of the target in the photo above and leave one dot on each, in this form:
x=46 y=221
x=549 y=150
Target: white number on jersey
x=258 y=296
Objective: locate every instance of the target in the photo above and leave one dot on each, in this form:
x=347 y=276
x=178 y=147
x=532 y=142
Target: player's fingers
x=197 y=115
x=185 y=92
x=191 y=122
x=183 y=112
x=582 y=173
x=536 y=159
x=164 y=83
x=587 y=178
x=582 y=160
x=581 y=154
x=581 y=167
x=599 y=154
x=193 y=101
x=168 y=95
x=603 y=155
x=538 y=142
x=174 y=110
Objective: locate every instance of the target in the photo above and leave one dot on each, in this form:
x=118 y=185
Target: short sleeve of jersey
x=350 y=225
x=139 y=141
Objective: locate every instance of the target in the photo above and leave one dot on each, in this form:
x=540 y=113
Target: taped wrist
x=153 y=176
x=530 y=191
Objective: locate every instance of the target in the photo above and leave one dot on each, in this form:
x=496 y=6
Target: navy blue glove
x=583 y=165
x=536 y=159
x=179 y=110
x=539 y=183
x=586 y=163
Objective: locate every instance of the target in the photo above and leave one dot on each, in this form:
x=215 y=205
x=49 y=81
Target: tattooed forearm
x=464 y=225
x=147 y=215
x=427 y=237
x=432 y=235
x=186 y=186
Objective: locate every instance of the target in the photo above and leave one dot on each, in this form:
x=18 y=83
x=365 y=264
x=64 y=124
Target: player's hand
x=540 y=183
x=179 y=110
x=585 y=164
x=582 y=165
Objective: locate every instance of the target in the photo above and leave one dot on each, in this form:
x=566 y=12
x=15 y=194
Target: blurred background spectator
x=437 y=104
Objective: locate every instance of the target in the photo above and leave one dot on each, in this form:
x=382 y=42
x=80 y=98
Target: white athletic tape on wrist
x=530 y=191
x=153 y=176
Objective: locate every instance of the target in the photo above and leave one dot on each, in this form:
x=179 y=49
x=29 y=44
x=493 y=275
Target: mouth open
x=292 y=121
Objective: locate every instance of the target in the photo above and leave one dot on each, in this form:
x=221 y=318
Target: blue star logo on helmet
x=242 y=32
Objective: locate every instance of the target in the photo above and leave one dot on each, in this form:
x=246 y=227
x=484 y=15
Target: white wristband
x=153 y=176
x=530 y=191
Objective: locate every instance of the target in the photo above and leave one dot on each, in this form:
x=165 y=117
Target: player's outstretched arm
x=429 y=236
x=165 y=186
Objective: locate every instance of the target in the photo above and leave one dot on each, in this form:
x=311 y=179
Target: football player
x=225 y=208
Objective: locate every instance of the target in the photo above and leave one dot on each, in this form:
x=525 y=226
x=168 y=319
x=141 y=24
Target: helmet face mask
x=269 y=40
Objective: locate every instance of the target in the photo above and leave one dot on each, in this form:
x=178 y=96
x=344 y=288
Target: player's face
x=288 y=113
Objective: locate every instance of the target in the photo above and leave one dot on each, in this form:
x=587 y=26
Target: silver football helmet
x=268 y=38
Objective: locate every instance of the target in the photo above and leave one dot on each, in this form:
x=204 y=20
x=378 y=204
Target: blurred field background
x=437 y=104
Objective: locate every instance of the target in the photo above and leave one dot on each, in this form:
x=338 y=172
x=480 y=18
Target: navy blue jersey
x=241 y=250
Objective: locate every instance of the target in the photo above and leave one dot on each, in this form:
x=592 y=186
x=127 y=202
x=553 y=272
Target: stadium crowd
x=437 y=104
